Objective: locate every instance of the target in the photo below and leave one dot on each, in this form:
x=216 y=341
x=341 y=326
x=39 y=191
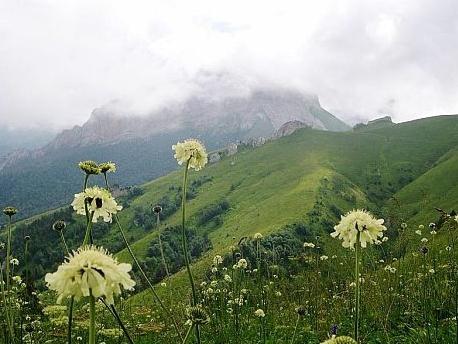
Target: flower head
x=356 y=221
x=260 y=313
x=193 y=151
x=257 y=236
x=340 y=340
x=59 y=226
x=242 y=264
x=157 y=209
x=99 y=201
x=89 y=167
x=88 y=270
x=217 y=260
x=309 y=244
x=9 y=211
x=456 y=218
x=107 y=167
x=197 y=315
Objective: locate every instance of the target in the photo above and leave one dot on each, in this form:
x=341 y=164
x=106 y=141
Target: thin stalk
x=295 y=329
x=115 y=314
x=150 y=285
x=70 y=321
x=8 y=282
x=185 y=244
x=64 y=242
x=160 y=246
x=88 y=229
x=84 y=189
x=92 y=319
x=357 y=292
x=7 y=313
x=183 y=235
x=187 y=334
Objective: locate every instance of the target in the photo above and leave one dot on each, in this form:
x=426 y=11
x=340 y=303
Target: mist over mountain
x=141 y=144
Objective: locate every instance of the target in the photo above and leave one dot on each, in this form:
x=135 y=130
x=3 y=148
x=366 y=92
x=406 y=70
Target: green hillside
x=290 y=190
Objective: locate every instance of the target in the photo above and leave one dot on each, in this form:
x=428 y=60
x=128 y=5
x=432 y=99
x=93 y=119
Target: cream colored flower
x=193 y=151
x=260 y=313
x=309 y=244
x=107 y=167
x=99 y=201
x=257 y=236
x=242 y=264
x=217 y=260
x=90 y=270
x=89 y=167
x=340 y=340
x=456 y=218
x=369 y=227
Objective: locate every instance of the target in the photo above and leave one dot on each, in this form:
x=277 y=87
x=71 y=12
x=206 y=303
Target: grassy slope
x=277 y=184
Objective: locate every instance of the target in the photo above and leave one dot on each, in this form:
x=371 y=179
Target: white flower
x=260 y=313
x=14 y=261
x=418 y=232
x=433 y=232
x=193 y=151
x=90 y=270
x=99 y=201
x=362 y=221
x=257 y=236
x=107 y=167
x=456 y=218
x=309 y=244
x=217 y=260
x=424 y=240
x=242 y=264
x=324 y=258
x=227 y=278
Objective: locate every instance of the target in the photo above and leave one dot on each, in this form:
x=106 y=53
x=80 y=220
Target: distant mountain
x=141 y=145
x=22 y=139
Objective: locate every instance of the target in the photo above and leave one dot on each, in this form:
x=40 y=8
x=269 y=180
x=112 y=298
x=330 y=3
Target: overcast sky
x=61 y=59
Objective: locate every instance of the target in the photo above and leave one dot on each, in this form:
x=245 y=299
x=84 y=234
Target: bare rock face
x=264 y=111
x=290 y=127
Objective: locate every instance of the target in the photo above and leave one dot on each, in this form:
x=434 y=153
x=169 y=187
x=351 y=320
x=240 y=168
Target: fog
x=61 y=59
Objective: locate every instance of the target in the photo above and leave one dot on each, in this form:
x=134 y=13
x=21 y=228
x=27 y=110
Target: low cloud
x=59 y=60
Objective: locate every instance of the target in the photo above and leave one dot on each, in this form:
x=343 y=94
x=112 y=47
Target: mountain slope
x=141 y=144
x=309 y=177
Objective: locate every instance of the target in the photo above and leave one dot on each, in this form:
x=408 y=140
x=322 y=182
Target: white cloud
x=60 y=59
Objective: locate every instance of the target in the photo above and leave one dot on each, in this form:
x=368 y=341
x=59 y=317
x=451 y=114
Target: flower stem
x=183 y=234
x=70 y=321
x=88 y=229
x=160 y=247
x=7 y=313
x=131 y=253
x=357 y=291
x=295 y=329
x=187 y=334
x=156 y=296
x=92 y=319
x=64 y=242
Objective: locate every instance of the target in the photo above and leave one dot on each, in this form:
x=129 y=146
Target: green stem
x=183 y=235
x=88 y=229
x=160 y=247
x=7 y=313
x=131 y=253
x=85 y=204
x=295 y=329
x=156 y=296
x=187 y=334
x=121 y=324
x=64 y=242
x=92 y=319
x=70 y=321
x=357 y=291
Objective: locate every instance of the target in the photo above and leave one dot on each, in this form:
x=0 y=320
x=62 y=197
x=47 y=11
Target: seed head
x=9 y=211
x=197 y=315
x=89 y=167
x=157 y=209
x=59 y=226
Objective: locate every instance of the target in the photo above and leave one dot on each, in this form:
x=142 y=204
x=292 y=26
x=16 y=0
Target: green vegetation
x=292 y=190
